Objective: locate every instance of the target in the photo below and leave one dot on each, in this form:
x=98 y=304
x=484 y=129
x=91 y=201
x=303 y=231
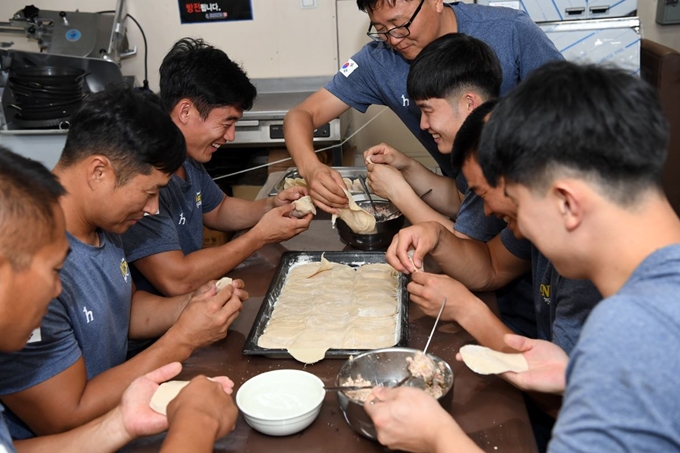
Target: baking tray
x=292 y=172
x=289 y=259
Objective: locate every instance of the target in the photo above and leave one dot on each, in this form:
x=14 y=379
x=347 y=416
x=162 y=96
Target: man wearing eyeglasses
x=377 y=75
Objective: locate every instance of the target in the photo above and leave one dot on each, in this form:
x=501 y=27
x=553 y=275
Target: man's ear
x=99 y=171
x=570 y=204
x=182 y=111
x=471 y=101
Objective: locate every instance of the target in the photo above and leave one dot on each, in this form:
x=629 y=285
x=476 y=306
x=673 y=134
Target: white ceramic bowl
x=281 y=402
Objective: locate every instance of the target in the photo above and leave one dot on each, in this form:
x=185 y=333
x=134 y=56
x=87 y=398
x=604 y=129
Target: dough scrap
x=357 y=218
x=308 y=355
x=483 y=360
x=221 y=283
x=410 y=254
x=165 y=393
x=303 y=206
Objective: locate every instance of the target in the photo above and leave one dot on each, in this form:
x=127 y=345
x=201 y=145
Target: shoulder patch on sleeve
x=349 y=67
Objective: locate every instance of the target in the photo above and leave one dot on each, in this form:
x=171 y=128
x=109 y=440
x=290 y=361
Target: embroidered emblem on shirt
x=349 y=67
x=199 y=199
x=89 y=317
x=124 y=269
x=545 y=293
x=404 y=101
x=35 y=337
x=182 y=219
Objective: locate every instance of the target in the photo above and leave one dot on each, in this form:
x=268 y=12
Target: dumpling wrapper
x=294 y=182
x=410 y=253
x=483 y=360
x=165 y=393
x=324 y=265
x=221 y=283
x=358 y=219
x=303 y=206
x=308 y=355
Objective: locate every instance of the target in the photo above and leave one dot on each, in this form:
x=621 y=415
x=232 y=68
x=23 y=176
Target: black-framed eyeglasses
x=401 y=31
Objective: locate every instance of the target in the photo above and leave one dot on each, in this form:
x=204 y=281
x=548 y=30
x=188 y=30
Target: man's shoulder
x=484 y=13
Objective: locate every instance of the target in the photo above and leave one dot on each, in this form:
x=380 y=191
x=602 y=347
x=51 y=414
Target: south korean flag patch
x=349 y=67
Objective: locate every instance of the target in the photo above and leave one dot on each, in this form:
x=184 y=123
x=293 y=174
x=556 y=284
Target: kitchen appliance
x=261 y=129
x=78 y=53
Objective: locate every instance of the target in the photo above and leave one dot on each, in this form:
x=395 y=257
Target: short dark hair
x=467 y=139
x=597 y=122
x=28 y=195
x=452 y=63
x=128 y=127
x=370 y=5
x=206 y=76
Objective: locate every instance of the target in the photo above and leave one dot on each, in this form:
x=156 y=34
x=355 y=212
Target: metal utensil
x=434 y=327
x=346 y=388
x=376 y=214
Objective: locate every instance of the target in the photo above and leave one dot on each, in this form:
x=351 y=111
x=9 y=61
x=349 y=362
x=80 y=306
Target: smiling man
x=451 y=77
x=206 y=94
x=561 y=305
x=377 y=74
x=120 y=151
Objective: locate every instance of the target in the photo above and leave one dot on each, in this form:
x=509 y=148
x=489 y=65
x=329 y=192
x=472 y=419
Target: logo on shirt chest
x=404 y=101
x=124 y=269
x=545 y=293
x=182 y=219
x=199 y=199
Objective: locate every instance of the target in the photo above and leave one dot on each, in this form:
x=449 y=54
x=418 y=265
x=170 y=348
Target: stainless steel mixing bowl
x=381 y=367
x=386 y=229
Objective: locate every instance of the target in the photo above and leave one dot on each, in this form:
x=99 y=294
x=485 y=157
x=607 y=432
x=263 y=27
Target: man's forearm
x=182 y=436
x=151 y=315
x=102 y=435
x=467 y=260
x=298 y=128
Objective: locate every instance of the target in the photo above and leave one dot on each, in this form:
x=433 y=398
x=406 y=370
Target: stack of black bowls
x=45 y=96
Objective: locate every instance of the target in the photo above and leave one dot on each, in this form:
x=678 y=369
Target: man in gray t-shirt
x=594 y=205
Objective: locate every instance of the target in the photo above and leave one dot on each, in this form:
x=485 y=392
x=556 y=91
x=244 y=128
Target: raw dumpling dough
x=358 y=219
x=303 y=206
x=307 y=355
x=221 y=283
x=165 y=393
x=483 y=360
x=294 y=182
x=410 y=253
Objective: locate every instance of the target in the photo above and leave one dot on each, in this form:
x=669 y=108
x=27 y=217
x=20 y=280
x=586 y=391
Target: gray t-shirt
x=622 y=392
x=561 y=304
x=179 y=225
x=90 y=318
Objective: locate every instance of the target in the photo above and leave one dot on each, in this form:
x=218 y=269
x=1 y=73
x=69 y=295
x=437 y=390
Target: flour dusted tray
x=290 y=260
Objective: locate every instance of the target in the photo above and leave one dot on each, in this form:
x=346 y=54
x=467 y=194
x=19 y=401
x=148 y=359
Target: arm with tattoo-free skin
x=480 y=266
x=409 y=419
x=325 y=184
x=442 y=202
x=174 y=273
x=429 y=290
x=69 y=399
x=204 y=406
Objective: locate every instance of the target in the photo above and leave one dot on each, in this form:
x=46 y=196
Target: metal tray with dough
x=288 y=260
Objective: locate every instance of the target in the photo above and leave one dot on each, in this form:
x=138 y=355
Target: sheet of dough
x=165 y=393
x=303 y=206
x=325 y=305
x=483 y=360
x=358 y=219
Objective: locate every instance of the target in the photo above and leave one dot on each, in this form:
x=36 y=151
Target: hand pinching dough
x=358 y=219
x=483 y=360
x=221 y=283
x=303 y=206
x=165 y=393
